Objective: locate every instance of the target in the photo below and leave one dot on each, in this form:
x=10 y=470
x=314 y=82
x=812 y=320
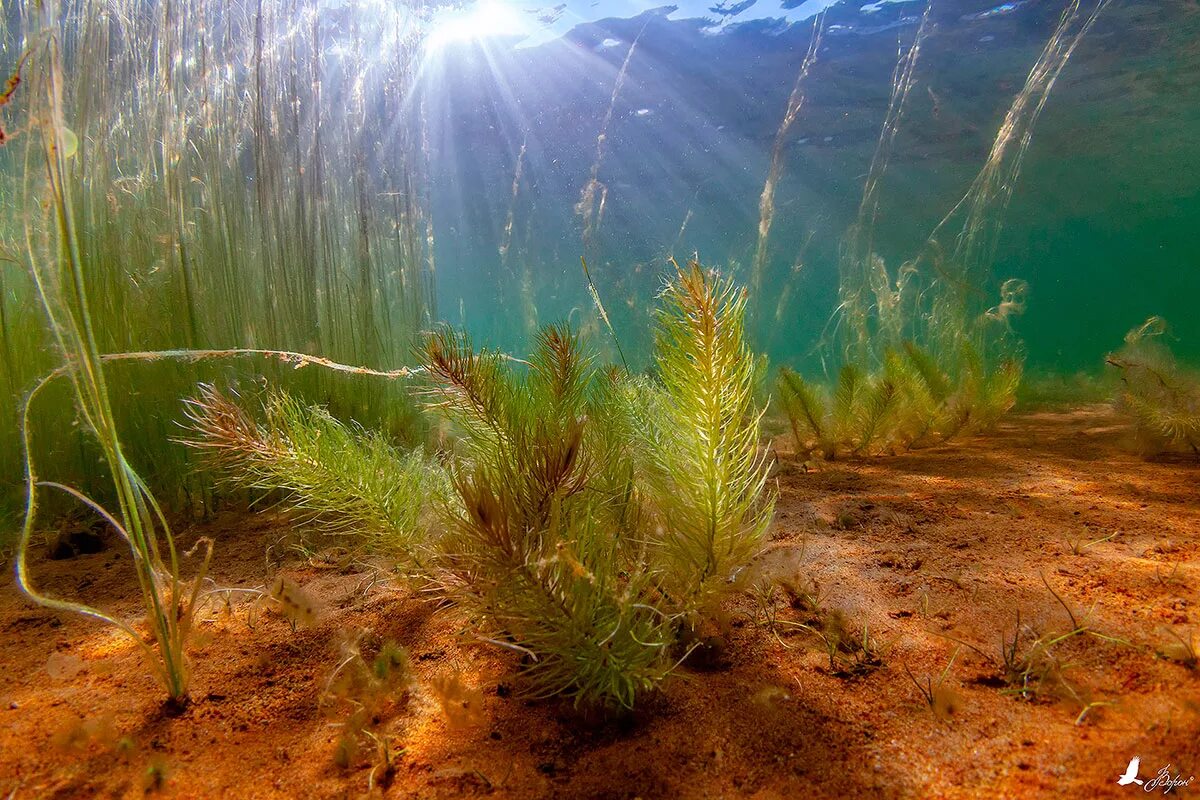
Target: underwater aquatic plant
x=591 y=513
x=1159 y=396
x=227 y=189
x=920 y=358
x=597 y=513
x=343 y=477
x=706 y=473
x=362 y=689
x=911 y=401
x=540 y=547
x=942 y=700
x=57 y=269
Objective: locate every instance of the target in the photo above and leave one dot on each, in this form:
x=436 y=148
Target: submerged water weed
x=57 y=267
x=368 y=681
x=941 y=699
x=156 y=773
x=1183 y=648
x=1029 y=662
x=340 y=478
x=852 y=653
x=1078 y=544
x=910 y=402
x=1158 y=395
x=599 y=517
x=294 y=604
x=363 y=690
x=706 y=472
x=216 y=202
x=918 y=357
x=461 y=703
x=543 y=543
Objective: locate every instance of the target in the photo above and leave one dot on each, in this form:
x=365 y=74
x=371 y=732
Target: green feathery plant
x=909 y=402
x=1159 y=396
x=543 y=544
x=593 y=516
x=341 y=476
x=57 y=268
x=707 y=473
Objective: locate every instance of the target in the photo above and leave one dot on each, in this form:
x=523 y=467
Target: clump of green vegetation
x=941 y=699
x=364 y=688
x=601 y=517
x=57 y=267
x=1158 y=395
x=918 y=355
x=216 y=200
x=545 y=543
x=342 y=477
x=593 y=520
x=911 y=401
x=1030 y=663
x=1183 y=649
x=852 y=653
x=706 y=474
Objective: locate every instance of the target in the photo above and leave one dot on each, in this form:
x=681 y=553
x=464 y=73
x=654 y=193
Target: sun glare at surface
x=480 y=20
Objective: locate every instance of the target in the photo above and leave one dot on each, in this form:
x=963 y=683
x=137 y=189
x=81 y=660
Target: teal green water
x=1102 y=224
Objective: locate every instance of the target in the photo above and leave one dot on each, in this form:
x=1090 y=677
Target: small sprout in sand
x=154 y=777
x=1184 y=650
x=346 y=749
x=779 y=574
x=1076 y=545
x=383 y=772
x=362 y=681
x=462 y=704
x=392 y=665
x=942 y=700
x=1168 y=578
x=852 y=654
x=1089 y=707
x=927 y=608
x=125 y=748
x=294 y=604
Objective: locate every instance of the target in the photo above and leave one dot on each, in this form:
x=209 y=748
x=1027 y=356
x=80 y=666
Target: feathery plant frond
x=345 y=478
x=540 y=543
x=910 y=401
x=709 y=475
x=805 y=409
x=1160 y=397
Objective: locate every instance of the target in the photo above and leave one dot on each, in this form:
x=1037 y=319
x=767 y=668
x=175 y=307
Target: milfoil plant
x=593 y=517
